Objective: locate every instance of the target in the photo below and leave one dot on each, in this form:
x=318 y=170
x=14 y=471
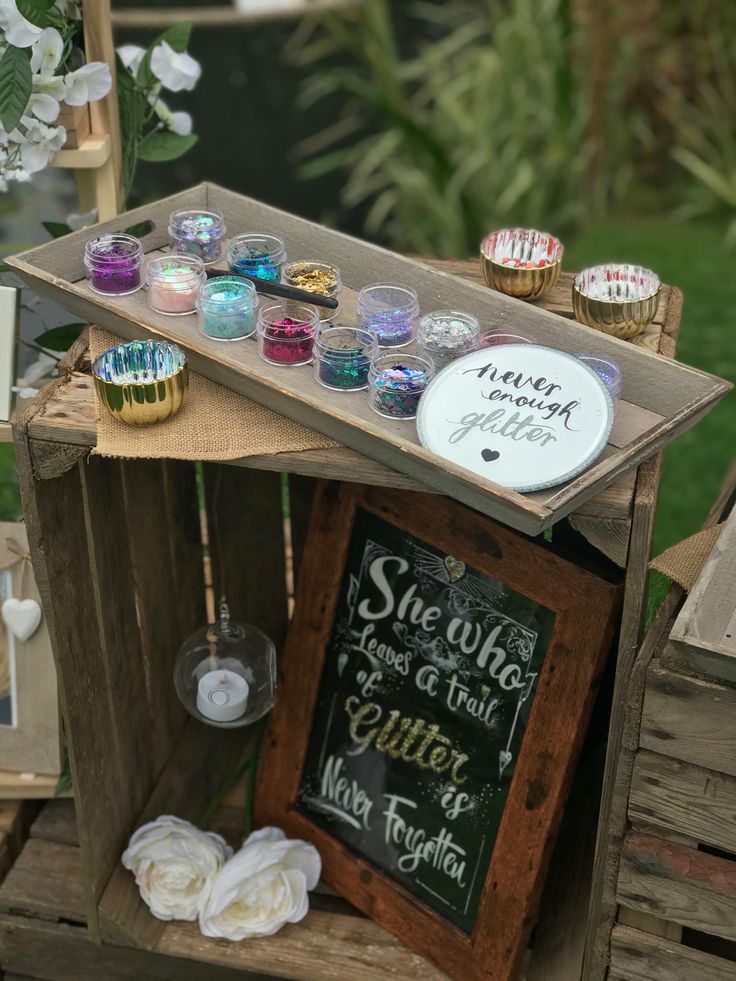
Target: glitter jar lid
x=225 y=295
x=388 y=299
x=255 y=246
x=287 y=321
x=492 y=338
x=198 y=225
x=617 y=282
x=608 y=372
x=113 y=252
x=316 y=277
x=448 y=331
x=177 y=273
x=522 y=248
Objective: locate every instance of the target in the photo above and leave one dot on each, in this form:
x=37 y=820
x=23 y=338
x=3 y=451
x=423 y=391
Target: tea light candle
x=197 y=233
x=608 y=372
x=257 y=255
x=222 y=695
x=173 y=283
x=447 y=334
x=397 y=384
x=389 y=311
x=113 y=264
x=227 y=306
x=342 y=357
x=286 y=332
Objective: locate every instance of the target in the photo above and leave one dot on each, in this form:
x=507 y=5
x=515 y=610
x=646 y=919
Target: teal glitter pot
x=227 y=308
x=198 y=232
x=397 y=382
x=257 y=255
x=342 y=357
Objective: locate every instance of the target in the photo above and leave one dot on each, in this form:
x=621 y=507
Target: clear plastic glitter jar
x=173 y=283
x=286 y=332
x=397 y=382
x=608 y=372
x=444 y=335
x=113 y=264
x=198 y=232
x=492 y=338
x=389 y=311
x=227 y=308
x=257 y=255
x=342 y=357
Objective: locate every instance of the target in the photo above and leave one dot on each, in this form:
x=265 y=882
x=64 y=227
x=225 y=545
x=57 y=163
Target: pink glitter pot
x=286 y=332
x=113 y=264
x=493 y=338
x=174 y=282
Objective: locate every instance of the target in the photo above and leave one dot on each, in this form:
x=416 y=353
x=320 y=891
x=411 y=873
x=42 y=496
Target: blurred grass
x=691 y=256
x=10 y=509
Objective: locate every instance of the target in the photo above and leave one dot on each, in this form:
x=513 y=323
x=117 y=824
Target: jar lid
x=175 y=272
x=387 y=298
x=113 y=250
x=197 y=224
x=227 y=294
x=448 y=330
x=255 y=246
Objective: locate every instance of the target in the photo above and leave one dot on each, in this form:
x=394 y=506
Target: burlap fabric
x=213 y=424
x=684 y=562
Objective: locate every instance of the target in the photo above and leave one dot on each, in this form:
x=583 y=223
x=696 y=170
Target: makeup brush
x=279 y=289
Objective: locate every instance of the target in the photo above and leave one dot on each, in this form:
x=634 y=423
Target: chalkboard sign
x=436 y=684
x=428 y=680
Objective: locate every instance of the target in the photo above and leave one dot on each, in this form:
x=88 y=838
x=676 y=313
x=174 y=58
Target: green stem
x=253 y=776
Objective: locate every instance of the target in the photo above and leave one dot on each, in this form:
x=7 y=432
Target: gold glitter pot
x=617 y=298
x=521 y=262
x=317 y=277
x=141 y=382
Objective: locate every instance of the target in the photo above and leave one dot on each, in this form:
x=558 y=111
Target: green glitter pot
x=227 y=308
x=342 y=357
x=444 y=335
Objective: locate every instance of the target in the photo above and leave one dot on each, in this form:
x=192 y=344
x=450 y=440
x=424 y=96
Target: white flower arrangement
x=187 y=874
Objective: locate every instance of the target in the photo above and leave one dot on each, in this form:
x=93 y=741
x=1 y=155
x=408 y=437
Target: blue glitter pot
x=397 y=382
x=198 y=232
x=257 y=255
x=389 y=311
x=342 y=357
x=227 y=308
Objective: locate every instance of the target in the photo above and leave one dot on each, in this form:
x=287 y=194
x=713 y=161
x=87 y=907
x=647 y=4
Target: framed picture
x=9 y=299
x=435 y=690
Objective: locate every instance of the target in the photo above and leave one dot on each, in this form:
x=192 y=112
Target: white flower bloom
x=43 y=107
x=87 y=84
x=70 y=8
x=40 y=368
x=174 y=865
x=47 y=51
x=262 y=887
x=177 y=122
x=131 y=56
x=52 y=85
x=34 y=157
x=79 y=221
x=176 y=71
x=19 y=32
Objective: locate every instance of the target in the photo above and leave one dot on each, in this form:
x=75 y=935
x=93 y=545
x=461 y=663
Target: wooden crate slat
x=678 y=883
x=689 y=719
x=638 y=956
x=46 y=881
x=685 y=798
x=57 y=822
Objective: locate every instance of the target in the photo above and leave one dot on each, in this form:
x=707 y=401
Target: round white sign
x=522 y=415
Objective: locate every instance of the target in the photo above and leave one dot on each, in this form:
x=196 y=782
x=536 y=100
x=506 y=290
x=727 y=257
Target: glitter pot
x=141 y=382
x=200 y=233
x=316 y=277
x=286 y=332
x=342 y=357
x=173 y=283
x=444 y=335
x=617 y=298
x=608 y=372
x=492 y=338
x=227 y=307
x=389 y=311
x=257 y=255
x=397 y=382
x=521 y=262
x=113 y=264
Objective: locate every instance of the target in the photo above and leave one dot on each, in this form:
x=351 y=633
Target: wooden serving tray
x=661 y=398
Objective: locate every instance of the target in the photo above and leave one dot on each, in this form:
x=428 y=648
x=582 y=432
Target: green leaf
x=56 y=228
x=176 y=36
x=64 y=782
x=15 y=86
x=36 y=11
x=4 y=267
x=141 y=229
x=164 y=145
x=60 y=338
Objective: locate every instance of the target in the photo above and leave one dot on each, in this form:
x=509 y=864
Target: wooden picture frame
x=584 y=604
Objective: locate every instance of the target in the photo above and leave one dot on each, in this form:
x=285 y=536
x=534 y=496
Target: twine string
x=21 y=555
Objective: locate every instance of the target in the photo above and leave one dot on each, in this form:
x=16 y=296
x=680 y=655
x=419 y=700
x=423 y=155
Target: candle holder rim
x=516 y=230
x=644 y=270
x=159 y=345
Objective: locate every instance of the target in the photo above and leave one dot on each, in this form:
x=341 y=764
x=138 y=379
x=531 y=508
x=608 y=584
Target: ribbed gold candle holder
x=616 y=298
x=142 y=382
x=521 y=262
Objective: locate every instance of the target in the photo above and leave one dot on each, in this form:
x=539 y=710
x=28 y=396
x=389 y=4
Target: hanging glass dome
x=225 y=673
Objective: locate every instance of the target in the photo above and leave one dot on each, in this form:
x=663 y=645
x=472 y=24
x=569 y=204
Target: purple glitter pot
x=286 y=332
x=199 y=233
x=608 y=372
x=113 y=264
x=342 y=357
x=444 y=335
x=397 y=382
x=388 y=311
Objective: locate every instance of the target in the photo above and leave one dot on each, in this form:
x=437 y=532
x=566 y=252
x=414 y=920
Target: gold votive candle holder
x=616 y=298
x=141 y=382
x=521 y=262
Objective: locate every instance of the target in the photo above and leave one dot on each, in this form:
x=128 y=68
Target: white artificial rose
x=47 y=51
x=87 y=84
x=131 y=56
x=19 y=32
x=175 y=70
x=178 y=122
x=174 y=865
x=262 y=887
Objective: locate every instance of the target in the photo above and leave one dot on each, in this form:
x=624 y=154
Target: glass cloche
x=225 y=673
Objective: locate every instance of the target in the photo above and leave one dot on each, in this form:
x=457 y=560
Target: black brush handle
x=279 y=289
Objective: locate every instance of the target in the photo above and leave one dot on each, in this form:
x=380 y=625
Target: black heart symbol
x=489 y=455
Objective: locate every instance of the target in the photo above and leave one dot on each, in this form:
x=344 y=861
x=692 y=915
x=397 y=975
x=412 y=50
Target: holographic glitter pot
x=389 y=311
x=227 y=308
x=113 y=264
x=444 y=335
x=342 y=357
x=608 y=372
x=397 y=382
x=617 y=298
x=257 y=255
x=141 y=382
x=286 y=332
x=316 y=277
x=521 y=262
x=198 y=233
x=173 y=283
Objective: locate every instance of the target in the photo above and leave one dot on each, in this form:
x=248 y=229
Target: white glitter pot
x=173 y=283
x=444 y=335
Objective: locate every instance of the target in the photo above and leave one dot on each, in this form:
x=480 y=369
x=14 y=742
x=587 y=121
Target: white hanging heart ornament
x=21 y=617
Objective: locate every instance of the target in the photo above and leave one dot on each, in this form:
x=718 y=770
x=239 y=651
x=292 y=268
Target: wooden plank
x=57 y=822
x=46 y=881
x=678 y=883
x=690 y=719
x=92 y=153
x=637 y=956
x=222 y=15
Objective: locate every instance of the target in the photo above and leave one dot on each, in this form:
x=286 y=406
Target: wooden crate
x=660 y=398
